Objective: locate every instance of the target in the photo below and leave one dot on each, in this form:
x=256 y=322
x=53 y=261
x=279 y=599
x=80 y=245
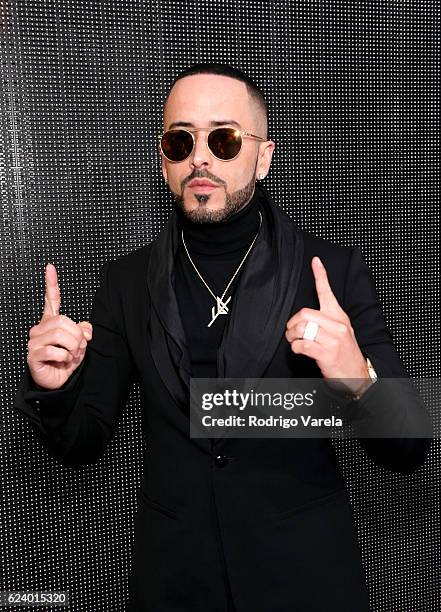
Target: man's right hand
x=57 y=345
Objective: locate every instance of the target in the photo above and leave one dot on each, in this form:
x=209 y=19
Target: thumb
x=87 y=329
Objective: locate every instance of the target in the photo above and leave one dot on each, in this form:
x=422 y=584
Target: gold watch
x=373 y=376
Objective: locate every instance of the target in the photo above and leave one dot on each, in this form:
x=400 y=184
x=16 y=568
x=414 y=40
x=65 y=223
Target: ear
x=266 y=150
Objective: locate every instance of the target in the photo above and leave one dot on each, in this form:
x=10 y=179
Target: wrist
x=370 y=379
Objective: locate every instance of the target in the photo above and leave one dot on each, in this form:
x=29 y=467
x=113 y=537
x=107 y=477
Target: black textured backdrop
x=353 y=91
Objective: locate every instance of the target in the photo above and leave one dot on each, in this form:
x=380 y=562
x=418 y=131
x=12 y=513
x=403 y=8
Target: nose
x=200 y=155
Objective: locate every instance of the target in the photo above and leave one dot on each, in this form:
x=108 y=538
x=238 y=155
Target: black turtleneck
x=216 y=249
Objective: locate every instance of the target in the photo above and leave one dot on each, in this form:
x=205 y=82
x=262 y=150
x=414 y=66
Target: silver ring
x=311 y=330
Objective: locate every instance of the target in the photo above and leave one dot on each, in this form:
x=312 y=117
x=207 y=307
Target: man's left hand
x=335 y=348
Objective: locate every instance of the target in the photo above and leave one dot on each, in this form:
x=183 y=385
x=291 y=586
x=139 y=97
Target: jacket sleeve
x=387 y=405
x=76 y=422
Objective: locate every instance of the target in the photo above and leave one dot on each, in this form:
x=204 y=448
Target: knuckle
x=37 y=328
x=67 y=322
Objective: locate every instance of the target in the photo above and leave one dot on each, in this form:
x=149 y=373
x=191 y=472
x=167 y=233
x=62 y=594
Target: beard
x=233 y=203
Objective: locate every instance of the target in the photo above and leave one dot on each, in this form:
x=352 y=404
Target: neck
x=225 y=237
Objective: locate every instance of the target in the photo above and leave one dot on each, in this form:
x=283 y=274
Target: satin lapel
x=165 y=329
x=264 y=299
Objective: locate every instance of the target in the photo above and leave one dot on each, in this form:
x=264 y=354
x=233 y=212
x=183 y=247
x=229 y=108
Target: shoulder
x=328 y=251
x=342 y=263
x=310 y=243
x=129 y=267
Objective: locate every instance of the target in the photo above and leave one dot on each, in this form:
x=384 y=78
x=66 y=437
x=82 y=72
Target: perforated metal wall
x=353 y=91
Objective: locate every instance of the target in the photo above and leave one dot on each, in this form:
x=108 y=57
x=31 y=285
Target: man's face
x=197 y=101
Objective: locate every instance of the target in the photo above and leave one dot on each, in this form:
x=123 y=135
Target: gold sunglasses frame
x=242 y=133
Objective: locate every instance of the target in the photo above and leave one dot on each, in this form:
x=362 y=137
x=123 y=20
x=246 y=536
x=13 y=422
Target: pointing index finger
x=52 y=293
x=325 y=294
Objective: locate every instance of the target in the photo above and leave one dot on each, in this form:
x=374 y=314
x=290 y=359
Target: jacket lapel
x=264 y=297
x=164 y=325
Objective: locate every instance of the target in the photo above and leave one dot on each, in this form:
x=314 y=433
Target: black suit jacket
x=271 y=513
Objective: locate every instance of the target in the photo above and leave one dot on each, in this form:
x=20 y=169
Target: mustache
x=201 y=174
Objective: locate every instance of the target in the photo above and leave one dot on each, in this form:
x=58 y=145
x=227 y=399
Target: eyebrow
x=211 y=124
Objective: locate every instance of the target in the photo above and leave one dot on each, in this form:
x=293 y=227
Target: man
x=230 y=288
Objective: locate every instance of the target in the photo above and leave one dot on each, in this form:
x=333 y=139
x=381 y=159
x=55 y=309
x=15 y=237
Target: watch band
x=373 y=376
x=371 y=371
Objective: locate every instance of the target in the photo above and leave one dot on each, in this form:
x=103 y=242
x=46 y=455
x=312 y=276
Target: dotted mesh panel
x=353 y=96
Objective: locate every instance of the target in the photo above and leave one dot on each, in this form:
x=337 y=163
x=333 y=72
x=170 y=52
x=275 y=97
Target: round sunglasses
x=224 y=143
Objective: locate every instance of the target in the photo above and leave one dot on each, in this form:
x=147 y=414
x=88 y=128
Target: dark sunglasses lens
x=225 y=143
x=177 y=145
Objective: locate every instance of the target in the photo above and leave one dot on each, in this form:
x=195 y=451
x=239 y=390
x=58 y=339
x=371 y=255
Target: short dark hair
x=225 y=70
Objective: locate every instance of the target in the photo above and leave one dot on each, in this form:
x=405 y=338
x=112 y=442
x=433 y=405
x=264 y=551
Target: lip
x=203 y=188
x=202 y=185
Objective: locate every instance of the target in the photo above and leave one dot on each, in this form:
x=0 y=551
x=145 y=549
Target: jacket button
x=221 y=461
